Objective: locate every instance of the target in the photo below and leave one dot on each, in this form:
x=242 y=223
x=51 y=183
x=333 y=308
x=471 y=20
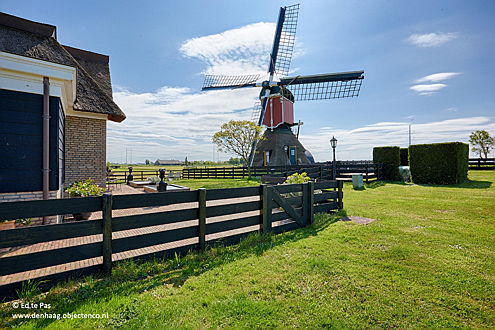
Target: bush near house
x=390 y=158
x=439 y=163
x=404 y=157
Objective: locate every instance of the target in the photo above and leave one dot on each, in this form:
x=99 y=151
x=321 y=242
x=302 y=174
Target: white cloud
x=436 y=77
x=173 y=123
x=358 y=143
x=427 y=89
x=244 y=50
x=431 y=39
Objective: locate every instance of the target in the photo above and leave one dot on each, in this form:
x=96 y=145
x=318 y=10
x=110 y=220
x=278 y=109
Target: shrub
x=404 y=157
x=405 y=173
x=298 y=178
x=390 y=158
x=84 y=189
x=439 y=163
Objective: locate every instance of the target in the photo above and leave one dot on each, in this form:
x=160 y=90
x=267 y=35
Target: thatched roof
x=36 y=40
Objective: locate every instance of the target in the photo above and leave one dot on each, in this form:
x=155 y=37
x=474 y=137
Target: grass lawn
x=428 y=261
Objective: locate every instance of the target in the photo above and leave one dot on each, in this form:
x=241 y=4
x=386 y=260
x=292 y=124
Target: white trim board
x=25 y=74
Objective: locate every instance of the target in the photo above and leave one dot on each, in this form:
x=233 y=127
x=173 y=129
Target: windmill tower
x=278 y=93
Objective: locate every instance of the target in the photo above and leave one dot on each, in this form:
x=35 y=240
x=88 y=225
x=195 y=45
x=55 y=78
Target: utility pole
x=409 y=134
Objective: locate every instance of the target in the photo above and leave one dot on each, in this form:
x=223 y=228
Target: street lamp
x=333 y=143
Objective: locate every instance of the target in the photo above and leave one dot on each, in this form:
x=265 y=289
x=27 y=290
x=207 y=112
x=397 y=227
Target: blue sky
x=426 y=62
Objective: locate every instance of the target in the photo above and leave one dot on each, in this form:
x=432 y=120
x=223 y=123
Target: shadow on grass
x=133 y=277
x=468 y=184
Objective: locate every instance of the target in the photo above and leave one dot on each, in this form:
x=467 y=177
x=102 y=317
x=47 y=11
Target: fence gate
x=298 y=203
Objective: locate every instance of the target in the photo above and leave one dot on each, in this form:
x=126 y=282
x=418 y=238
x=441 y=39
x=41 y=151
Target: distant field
x=124 y=168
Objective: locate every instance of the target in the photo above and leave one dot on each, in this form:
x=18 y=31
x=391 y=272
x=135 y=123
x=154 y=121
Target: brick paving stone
x=125 y=190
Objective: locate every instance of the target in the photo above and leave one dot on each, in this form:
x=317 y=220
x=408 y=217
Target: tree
x=482 y=142
x=147 y=162
x=186 y=162
x=238 y=137
x=234 y=161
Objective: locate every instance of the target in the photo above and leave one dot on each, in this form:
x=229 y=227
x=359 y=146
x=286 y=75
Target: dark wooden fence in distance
x=320 y=171
x=481 y=164
x=194 y=220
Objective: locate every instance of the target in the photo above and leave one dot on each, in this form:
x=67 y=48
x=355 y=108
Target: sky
x=428 y=64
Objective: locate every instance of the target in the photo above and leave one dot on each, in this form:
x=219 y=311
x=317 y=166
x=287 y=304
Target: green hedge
x=404 y=157
x=439 y=163
x=390 y=158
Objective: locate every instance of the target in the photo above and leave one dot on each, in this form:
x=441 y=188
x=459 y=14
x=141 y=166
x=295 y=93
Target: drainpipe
x=46 y=140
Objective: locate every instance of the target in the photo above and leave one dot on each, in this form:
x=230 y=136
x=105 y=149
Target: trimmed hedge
x=404 y=157
x=390 y=158
x=439 y=163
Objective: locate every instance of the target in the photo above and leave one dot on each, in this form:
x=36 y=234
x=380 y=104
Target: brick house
x=55 y=101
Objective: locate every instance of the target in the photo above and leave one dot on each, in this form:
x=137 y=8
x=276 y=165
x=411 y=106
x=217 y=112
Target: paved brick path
x=122 y=190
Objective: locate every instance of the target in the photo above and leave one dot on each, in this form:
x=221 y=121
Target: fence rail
x=323 y=171
x=193 y=220
x=481 y=164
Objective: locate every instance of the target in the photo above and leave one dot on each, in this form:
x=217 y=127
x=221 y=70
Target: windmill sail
x=221 y=82
x=285 y=37
x=324 y=86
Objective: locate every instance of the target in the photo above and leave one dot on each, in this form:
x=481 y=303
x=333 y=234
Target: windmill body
x=275 y=111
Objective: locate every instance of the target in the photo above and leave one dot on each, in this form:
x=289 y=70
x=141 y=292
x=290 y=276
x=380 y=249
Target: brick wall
x=85 y=150
x=31 y=195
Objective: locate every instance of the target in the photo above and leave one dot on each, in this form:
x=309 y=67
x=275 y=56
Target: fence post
x=266 y=210
x=202 y=218
x=340 y=195
x=107 y=232
x=311 y=202
x=366 y=173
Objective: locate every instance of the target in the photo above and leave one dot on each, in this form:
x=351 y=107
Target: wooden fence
x=181 y=221
x=322 y=171
x=481 y=164
x=121 y=176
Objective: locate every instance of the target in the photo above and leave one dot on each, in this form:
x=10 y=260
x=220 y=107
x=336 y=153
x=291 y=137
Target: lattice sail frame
x=221 y=81
x=287 y=40
x=326 y=90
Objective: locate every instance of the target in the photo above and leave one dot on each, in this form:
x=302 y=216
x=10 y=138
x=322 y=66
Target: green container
x=357 y=181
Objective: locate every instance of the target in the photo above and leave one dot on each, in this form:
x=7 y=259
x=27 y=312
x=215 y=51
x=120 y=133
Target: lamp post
x=333 y=143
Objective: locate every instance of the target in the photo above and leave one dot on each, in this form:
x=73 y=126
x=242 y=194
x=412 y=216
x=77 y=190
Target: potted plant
x=84 y=188
x=7 y=224
x=153 y=180
x=11 y=224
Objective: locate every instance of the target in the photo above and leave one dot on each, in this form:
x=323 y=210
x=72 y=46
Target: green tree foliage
x=234 y=161
x=481 y=142
x=147 y=162
x=237 y=137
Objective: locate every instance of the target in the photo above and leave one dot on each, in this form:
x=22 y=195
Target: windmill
x=278 y=93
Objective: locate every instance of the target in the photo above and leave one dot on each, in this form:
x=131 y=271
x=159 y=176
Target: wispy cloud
x=436 y=77
x=358 y=143
x=431 y=39
x=174 y=122
x=429 y=89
